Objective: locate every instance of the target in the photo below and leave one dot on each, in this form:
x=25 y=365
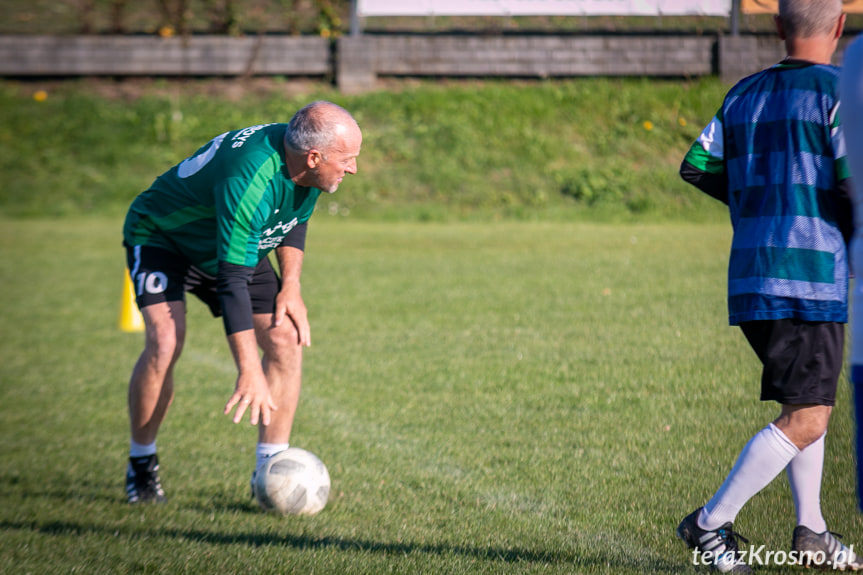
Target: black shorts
x=160 y=276
x=802 y=360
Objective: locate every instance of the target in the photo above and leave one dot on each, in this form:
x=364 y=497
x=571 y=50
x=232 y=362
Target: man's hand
x=289 y=303
x=252 y=392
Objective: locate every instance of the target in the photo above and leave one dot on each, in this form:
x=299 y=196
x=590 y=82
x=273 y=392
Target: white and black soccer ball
x=292 y=482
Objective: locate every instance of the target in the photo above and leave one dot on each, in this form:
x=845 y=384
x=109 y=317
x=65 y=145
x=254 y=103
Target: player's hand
x=289 y=304
x=252 y=392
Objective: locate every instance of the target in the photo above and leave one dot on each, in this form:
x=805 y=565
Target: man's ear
x=841 y=26
x=313 y=158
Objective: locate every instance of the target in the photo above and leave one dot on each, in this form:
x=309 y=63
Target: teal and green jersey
x=232 y=201
x=775 y=154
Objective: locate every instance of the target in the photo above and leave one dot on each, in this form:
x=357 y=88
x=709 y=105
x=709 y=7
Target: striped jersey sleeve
x=704 y=163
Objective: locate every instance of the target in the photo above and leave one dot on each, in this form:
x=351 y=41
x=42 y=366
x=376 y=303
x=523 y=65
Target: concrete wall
x=543 y=56
x=151 y=55
x=357 y=61
x=740 y=56
x=521 y=56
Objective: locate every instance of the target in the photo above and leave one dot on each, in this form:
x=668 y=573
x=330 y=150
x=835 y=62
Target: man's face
x=339 y=160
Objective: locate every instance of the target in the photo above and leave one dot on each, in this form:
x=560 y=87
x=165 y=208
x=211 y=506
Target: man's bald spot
x=317 y=125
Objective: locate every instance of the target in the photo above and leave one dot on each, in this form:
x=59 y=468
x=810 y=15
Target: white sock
x=764 y=457
x=804 y=475
x=265 y=450
x=141 y=449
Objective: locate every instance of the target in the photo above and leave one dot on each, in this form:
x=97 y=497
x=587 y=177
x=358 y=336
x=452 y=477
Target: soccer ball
x=292 y=482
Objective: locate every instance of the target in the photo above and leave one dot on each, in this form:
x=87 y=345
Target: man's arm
x=842 y=167
x=845 y=209
x=714 y=185
x=251 y=389
x=704 y=164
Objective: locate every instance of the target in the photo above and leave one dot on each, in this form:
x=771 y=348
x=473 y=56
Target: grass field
x=504 y=397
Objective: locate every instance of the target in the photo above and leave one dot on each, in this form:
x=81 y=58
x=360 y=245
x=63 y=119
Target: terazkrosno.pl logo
x=762 y=556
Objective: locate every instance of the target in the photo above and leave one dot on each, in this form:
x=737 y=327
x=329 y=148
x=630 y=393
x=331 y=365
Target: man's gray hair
x=315 y=126
x=809 y=18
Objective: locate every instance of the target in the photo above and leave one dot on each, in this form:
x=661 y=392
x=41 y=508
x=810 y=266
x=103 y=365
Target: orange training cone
x=131 y=319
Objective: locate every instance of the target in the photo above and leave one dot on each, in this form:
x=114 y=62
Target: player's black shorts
x=160 y=276
x=802 y=360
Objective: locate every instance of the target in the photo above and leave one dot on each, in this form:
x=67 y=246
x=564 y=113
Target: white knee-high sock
x=764 y=457
x=804 y=475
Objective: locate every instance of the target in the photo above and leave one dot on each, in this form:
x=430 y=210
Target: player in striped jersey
x=775 y=154
x=206 y=226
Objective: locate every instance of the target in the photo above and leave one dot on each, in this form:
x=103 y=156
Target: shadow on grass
x=603 y=559
x=594 y=558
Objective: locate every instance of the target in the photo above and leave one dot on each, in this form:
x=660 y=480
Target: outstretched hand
x=252 y=392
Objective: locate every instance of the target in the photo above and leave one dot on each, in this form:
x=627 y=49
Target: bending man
x=206 y=226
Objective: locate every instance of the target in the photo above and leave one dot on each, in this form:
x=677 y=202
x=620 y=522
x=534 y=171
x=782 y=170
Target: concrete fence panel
x=150 y=55
x=356 y=62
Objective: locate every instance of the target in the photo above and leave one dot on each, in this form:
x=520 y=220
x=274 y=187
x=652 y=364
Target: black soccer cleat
x=719 y=548
x=824 y=551
x=142 y=480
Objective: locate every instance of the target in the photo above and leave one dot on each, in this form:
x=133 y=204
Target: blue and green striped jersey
x=232 y=201
x=775 y=154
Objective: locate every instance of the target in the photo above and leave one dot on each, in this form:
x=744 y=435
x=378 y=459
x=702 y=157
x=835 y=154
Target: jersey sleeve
x=704 y=163
x=233 y=289
x=296 y=238
x=843 y=191
x=837 y=141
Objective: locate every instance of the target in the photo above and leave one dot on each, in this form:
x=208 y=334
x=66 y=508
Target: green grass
x=521 y=362
x=555 y=150
x=497 y=397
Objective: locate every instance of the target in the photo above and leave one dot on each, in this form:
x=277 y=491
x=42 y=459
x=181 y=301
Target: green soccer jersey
x=232 y=201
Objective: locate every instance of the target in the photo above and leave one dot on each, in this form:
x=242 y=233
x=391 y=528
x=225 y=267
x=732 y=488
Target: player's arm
x=251 y=389
x=237 y=200
x=289 y=301
x=704 y=164
x=844 y=185
x=845 y=209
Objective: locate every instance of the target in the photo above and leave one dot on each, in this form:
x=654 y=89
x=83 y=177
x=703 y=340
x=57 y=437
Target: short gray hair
x=315 y=126
x=808 y=18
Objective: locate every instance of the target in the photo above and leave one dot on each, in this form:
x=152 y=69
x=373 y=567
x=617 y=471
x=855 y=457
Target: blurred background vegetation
x=328 y=18
x=589 y=148
x=435 y=149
